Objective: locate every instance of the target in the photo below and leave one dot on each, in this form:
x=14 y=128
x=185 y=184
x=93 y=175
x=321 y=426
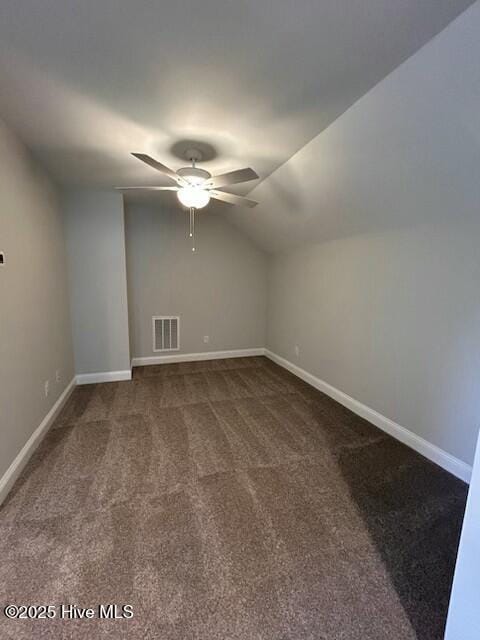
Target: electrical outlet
x=57 y=375
x=47 y=387
x=297 y=350
x=206 y=339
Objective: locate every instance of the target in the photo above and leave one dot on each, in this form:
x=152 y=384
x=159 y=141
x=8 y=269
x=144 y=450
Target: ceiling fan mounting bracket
x=193 y=155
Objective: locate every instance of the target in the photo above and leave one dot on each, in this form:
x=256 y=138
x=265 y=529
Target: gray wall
x=219 y=291
x=391 y=319
x=97 y=278
x=385 y=303
x=35 y=337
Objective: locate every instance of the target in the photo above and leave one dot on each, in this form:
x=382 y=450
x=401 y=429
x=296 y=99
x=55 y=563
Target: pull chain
x=192 y=227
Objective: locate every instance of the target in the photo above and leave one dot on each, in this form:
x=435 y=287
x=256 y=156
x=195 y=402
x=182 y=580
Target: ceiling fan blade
x=159 y=167
x=147 y=188
x=232 y=177
x=231 y=198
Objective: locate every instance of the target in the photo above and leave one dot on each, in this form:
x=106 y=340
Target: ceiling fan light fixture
x=193 y=197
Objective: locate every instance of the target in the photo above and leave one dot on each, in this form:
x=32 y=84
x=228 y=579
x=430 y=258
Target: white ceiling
x=86 y=82
x=405 y=156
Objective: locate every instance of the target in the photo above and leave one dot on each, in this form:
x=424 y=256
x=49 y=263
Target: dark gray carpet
x=228 y=500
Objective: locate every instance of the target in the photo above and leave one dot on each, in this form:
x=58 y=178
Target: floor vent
x=166 y=333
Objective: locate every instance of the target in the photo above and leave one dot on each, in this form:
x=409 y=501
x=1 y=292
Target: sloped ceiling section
x=406 y=154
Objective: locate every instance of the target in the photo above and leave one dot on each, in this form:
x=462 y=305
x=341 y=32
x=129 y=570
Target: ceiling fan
x=195 y=187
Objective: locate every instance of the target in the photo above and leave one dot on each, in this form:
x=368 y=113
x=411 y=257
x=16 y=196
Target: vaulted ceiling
x=84 y=83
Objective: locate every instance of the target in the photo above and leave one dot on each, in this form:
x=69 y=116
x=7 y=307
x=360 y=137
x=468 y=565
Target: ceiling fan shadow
x=287 y=191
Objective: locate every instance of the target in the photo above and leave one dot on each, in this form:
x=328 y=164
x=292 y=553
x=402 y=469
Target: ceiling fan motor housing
x=194 y=175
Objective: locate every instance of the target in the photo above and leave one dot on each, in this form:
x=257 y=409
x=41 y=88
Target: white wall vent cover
x=166 y=333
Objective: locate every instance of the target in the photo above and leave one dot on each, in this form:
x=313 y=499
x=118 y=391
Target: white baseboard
x=14 y=470
x=194 y=357
x=445 y=460
x=104 y=376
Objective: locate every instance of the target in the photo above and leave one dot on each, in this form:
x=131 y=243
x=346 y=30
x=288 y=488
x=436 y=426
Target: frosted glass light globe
x=193 y=197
